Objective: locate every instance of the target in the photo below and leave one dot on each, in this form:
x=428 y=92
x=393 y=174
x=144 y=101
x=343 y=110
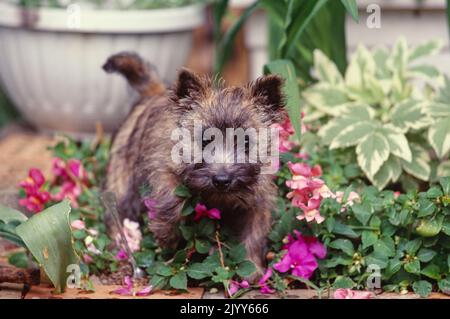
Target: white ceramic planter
x=50 y=60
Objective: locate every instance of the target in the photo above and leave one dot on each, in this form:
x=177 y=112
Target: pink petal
x=124 y=291
x=284 y=265
x=233 y=287
x=37 y=177
x=352 y=294
x=145 y=291
x=302 y=169
x=214 y=213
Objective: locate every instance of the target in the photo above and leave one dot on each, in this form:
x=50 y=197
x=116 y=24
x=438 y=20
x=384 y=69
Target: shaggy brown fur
x=141 y=152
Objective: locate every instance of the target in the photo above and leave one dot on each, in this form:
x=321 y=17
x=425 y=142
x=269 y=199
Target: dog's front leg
x=254 y=237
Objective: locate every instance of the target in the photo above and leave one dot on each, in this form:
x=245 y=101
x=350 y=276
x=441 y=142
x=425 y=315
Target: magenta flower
x=300 y=257
x=235 y=286
x=352 y=294
x=128 y=290
x=263 y=285
x=150 y=204
x=201 y=211
x=121 y=255
x=35 y=195
x=285 y=130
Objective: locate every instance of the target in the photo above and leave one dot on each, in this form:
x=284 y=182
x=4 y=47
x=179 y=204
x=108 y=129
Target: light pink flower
x=132 y=233
x=78 y=224
x=128 y=290
x=285 y=130
x=235 y=286
x=201 y=211
x=352 y=294
x=87 y=259
x=351 y=199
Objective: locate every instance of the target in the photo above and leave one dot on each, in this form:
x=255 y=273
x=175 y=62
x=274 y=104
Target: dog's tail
x=142 y=76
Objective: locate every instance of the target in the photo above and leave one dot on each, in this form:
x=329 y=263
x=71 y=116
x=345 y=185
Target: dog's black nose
x=221 y=181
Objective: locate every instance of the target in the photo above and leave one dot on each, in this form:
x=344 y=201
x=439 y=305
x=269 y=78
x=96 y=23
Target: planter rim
x=80 y=19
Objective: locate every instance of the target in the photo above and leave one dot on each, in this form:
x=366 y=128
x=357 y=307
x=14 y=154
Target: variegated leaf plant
x=379 y=109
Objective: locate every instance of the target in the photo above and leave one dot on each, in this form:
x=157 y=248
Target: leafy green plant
x=376 y=109
x=47 y=236
x=406 y=237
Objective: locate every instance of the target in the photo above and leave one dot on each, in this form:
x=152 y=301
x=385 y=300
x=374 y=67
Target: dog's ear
x=267 y=94
x=189 y=85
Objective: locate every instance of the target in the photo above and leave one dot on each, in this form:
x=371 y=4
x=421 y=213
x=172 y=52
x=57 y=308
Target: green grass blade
x=352 y=8
x=286 y=70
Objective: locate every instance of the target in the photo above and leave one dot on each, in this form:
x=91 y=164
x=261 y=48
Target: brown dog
x=142 y=152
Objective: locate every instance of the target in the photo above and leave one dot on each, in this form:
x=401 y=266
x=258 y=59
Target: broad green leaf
x=286 y=70
x=352 y=8
x=444 y=92
x=436 y=109
x=443 y=170
x=439 y=136
x=330 y=130
x=432 y=271
x=390 y=171
x=368 y=238
x=343 y=244
x=342 y=229
x=430 y=227
x=412 y=246
x=398 y=144
x=182 y=191
x=425 y=49
x=48 y=236
x=238 y=253
x=422 y=288
x=245 y=269
x=361 y=65
x=199 y=271
x=400 y=55
x=326 y=70
x=158 y=282
x=409 y=114
x=342 y=282
x=377 y=259
x=353 y=134
x=419 y=166
x=444 y=284
x=362 y=212
x=372 y=151
x=445 y=184
x=425 y=255
x=326 y=98
x=393 y=266
x=385 y=247
x=424 y=71
x=413 y=267
x=8 y=215
x=358 y=111
x=179 y=281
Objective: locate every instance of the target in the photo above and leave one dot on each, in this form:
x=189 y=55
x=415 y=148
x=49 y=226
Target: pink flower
x=78 y=224
x=351 y=199
x=307 y=190
x=87 y=259
x=150 y=204
x=70 y=177
x=285 y=130
x=235 y=286
x=263 y=285
x=132 y=233
x=202 y=211
x=121 y=255
x=352 y=294
x=303 y=156
x=301 y=255
x=128 y=290
x=35 y=195
x=397 y=194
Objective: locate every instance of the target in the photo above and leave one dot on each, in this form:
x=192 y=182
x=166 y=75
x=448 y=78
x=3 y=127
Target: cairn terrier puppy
x=142 y=152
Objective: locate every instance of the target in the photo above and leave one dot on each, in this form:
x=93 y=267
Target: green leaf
x=409 y=114
x=413 y=246
x=344 y=230
x=245 y=269
x=326 y=98
x=8 y=215
x=445 y=184
x=286 y=70
x=376 y=259
x=187 y=232
x=221 y=275
x=418 y=167
x=425 y=255
x=425 y=71
x=48 y=236
x=19 y=260
x=238 y=253
x=372 y=152
x=182 y=191
x=385 y=246
x=393 y=266
x=425 y=49
x=362 y=212
x=179 y=281
x=432 y=271
x=326 y=69
x=343 y=282
x=444 y=285
x=398 y=144
x=426 y=207
x=343 y=244
x=163 y=270
x=439 y=136
x=352 y=134
x=202 y=246
x=368 y=238
x=413 y=267
x=158 y=282
x=352 y=8
x=199 y=271
x=422 y=288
